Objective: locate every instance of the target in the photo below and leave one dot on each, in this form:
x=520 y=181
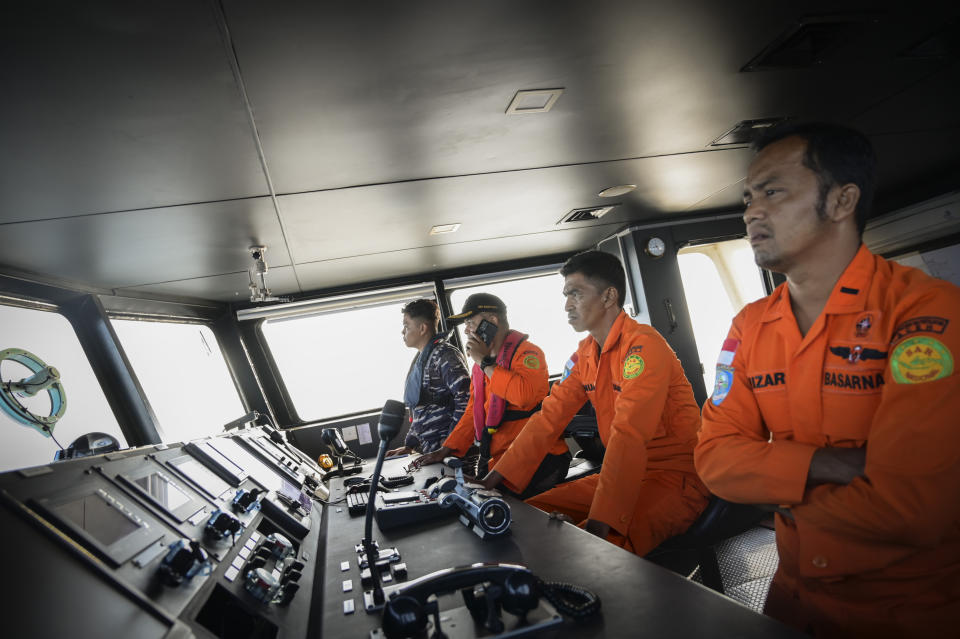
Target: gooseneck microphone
x=391 y=418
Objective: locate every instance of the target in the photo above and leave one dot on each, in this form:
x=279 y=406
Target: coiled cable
x=571 y=600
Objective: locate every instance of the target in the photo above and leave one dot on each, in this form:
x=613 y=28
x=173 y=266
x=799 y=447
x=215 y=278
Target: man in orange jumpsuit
x=510 y=374
x=837 y=402
x=647 y=489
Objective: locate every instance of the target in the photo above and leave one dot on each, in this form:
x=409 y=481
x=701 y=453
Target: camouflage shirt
x=443 y=398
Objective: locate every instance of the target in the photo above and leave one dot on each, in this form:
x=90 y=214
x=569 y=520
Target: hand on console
x=435 y=457
x=492 y=480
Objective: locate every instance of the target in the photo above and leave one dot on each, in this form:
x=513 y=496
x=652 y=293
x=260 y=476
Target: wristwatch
x=489 y=360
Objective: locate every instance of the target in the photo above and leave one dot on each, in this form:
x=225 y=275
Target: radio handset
x=487 y=588
x=513 y=587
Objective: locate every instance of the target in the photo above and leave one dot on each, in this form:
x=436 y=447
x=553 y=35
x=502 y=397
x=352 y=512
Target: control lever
x=221 y=524
x=183 y=560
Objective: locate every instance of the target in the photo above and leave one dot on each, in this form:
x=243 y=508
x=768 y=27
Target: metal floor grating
x=747 y=563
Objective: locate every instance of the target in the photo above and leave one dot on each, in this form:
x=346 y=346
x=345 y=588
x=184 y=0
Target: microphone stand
x=387 y=428
x=368 y=545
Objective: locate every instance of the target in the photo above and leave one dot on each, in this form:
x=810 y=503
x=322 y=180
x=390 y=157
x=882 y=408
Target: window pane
x=341 y=362
x=718 y=280
x=184 y=376
x=50 y=337
x=535 y=307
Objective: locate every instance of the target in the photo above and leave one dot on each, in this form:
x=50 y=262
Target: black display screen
x=98 y=518
x=265 y=475
x=167 y=494
x=200 y=475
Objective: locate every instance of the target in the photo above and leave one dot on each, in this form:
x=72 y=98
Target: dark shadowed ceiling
x=147 y=145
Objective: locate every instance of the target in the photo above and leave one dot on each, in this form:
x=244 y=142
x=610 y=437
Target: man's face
x=785 y=215
x=584 y=302
x=413 y=331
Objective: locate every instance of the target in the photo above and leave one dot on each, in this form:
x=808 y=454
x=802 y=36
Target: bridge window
x=50 y=337
x=184 y=376
x=344 y=355
x=534 y=302
x=719 y=279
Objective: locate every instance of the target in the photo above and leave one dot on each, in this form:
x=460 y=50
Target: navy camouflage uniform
x=443 y=398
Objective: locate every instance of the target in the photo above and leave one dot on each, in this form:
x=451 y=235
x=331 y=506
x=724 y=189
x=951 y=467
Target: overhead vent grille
x=746 y=131
x=587 y=214
x=808 y=42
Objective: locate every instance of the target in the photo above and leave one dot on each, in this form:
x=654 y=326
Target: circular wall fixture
x=655 y=247
x=615 y=191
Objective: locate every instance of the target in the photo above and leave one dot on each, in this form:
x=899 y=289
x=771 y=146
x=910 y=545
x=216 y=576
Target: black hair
x=837 y=154
x=425 y=310
x=600 y=267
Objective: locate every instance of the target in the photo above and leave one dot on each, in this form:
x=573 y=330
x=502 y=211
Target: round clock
x=655 y=247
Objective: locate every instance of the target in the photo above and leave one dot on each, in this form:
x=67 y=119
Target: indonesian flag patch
x=727 y=352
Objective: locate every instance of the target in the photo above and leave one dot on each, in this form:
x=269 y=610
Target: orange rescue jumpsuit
x=647 y=489
x=523 y=386
x=881 y=556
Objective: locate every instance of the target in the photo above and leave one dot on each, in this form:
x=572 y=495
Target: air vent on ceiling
x=587 y=214
x=746 y=131
x=808 y=42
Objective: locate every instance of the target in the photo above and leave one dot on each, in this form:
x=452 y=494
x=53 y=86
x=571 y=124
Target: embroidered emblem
x=863 y=325
x=857 y=353
x=920 y=359
x=727 y=352
x=928 y=324
x=568 y=367
x=632 y=366
x=531 y=361
x=724 y=381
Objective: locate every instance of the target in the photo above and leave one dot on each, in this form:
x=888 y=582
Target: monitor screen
x=95 y=516
x=265 y=476
x=200 y=475
x=167 y=493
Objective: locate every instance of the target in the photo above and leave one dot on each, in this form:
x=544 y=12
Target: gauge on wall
x=655 y=247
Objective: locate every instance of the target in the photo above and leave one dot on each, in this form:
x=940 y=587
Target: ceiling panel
x=380 y=91
x=111 y=106
x=125 y=249
x=228 y=287
x=130 y=159
x=429 y=260
x=323 y=225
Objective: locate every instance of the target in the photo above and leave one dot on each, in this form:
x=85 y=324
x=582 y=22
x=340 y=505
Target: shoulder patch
x=928 y=324
x=568 y=367
x=635 y=349
x=920 y=359
x=531 y=361
x=633 y=365
x=722 y=385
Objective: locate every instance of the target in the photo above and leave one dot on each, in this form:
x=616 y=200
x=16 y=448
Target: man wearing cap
x=509 y=380
x=647 y=489
x=437 y=386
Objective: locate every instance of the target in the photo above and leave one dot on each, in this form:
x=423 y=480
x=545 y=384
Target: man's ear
x=844 y=199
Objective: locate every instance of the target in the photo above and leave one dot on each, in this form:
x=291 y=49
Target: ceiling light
x=615 y=191
x=440 y=229
x=534 y=101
